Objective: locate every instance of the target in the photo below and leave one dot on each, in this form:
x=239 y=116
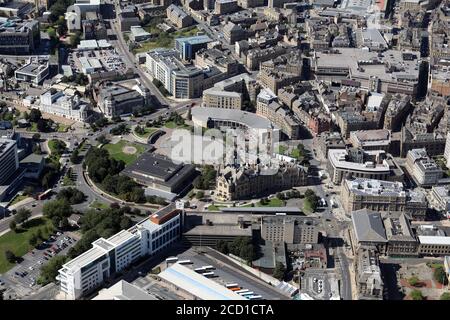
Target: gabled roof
x=368 y=226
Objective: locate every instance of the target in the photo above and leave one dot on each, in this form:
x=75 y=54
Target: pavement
x=31 y=264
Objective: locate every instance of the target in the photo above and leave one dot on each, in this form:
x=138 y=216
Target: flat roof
x=262 y=209
x=197 y=285
x=438 y=240
x=246 y=118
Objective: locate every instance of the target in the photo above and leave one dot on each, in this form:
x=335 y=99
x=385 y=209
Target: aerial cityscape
x=242 y=150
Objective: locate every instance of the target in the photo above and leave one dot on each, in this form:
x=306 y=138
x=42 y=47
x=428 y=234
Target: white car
x=31 y=268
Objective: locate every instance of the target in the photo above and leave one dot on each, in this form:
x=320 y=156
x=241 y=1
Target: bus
x=171 y=260
x=209 y=268
x=185 y=262
x=235 y=288
x=231 y=285
x=247 y=294
x=255 y=297
x=242 y=291
x=208 y=274
x=200 y=270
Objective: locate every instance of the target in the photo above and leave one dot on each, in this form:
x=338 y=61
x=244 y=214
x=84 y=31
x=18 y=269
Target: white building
x=422 y=168
x=88 y=271
x=447 y=150
x=64 y=105
x=34 y=71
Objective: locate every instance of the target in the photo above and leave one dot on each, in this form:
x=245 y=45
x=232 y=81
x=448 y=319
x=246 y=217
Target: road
x=346 y=288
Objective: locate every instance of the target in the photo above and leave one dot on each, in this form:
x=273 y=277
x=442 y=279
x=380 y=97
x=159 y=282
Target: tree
x=279 y=271
x=199 y=194
x=42 y=125
x=13 y=226
x=22 y=215
x=71 y=195
x=445 y=296
x=102 y=139
x=74 y=39
x=56 y=210
x=33 y=240
x=10 y=256
x=64 y=224
x=35 y=115
x=222 y=246
x=36 y=137
x=440 y=275
x=50 y=270
x=416 y=295
x=75 y=156
x=28 y=190
x=414 y=281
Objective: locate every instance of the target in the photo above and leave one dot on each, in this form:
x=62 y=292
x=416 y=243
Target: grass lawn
x=165 y=41
x=33 y=127
x=99 y=205
x=18 y=242
x=215 y=208
x=17 y=199
x=67 y=181
x=274 y=202
x=115 y=150
x=173 y=125
x=148 y=132
x=62 y=128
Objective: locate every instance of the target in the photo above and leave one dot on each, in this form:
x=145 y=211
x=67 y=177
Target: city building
x=124 y=290
x=128 y=18
x=207 y=228
x=433 y=241
x=447 y=150
x=368 y=230
x=138 y=34
x=180 y=80
x=187 y=47
x=160 y=174
x=250 y=181
x=440 y=196
x=289 y=229
x=401 y=239
x=383 y=196
x=369 y=280
x=196 y=285
x=368 y=70
x=64 y=104
x=9 y=159
x=374 y=164
x=422 y=168
x=178 y=16
x=267 y=105
x=34 y=71
x=119 y=100
x=226 y=6
x=379 y=139
x=19 y=37
x=107 y=257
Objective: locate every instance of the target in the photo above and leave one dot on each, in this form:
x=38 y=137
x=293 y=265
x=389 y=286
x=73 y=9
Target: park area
x=18 y=241
x=125 y=151
x=422 y=281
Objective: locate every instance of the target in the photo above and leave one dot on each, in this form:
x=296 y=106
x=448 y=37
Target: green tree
x=22 y=215
x=440 y=275
x=13 y=226
x=445 y=296
x=414 y=281
x=222 y=246
x=279 y=271
x=35 y=115
x=199 y=194
x=416 y=295
x=74 y=39
x=33 y=240
x=10 y=256
x=50 y=270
